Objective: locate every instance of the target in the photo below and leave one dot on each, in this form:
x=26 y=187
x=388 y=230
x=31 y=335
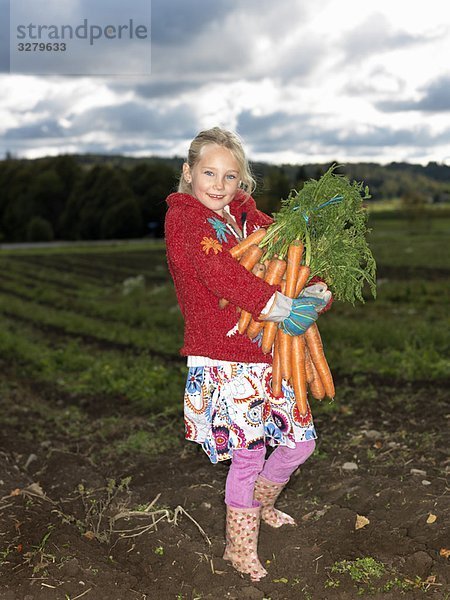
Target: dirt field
x=102 y=499
x=67 y=532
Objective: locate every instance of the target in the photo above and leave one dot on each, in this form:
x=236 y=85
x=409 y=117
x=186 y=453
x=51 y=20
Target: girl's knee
x=308 y=447
x=249 y=459
x=300 y=453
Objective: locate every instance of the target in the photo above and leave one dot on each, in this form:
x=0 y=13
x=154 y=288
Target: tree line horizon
x=94 y=197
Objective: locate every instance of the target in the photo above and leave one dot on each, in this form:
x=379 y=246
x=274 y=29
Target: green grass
x=151 y=385
x=401 y=334
x=86 y=248
x=66 y=320
x=369 y=577
x=404 y=243
x=361 y=570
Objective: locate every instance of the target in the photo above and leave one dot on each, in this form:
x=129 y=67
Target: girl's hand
x=317 y=290
x=304 y=312
x=294 y=315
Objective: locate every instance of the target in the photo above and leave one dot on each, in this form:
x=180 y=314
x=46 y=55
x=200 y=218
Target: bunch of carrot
x=300 y=359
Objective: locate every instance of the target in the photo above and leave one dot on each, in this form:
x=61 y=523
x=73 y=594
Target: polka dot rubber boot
x=266 y=493
x=242 y=541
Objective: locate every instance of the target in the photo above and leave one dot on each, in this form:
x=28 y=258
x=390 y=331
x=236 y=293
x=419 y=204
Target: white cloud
x=303 y=82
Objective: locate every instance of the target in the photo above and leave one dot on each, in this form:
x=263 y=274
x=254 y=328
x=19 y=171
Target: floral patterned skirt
x=232 y=406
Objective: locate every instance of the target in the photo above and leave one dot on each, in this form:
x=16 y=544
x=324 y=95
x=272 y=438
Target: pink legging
x=248 y=464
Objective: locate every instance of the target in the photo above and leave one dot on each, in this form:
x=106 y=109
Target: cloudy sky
x=300 y=80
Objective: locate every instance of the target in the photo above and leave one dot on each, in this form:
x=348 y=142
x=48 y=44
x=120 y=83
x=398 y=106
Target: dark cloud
x=122 y=56
x=223 y=43
x=130 y=126
x=192 y=43
x=136 y=120
x=199 y=45
x=272 y=132
x=378 y=82
x=175 y=25
x=435 y=99
x=176 y=21
x=377 y=137
x=375 y=36
x=278 y=132
x=44 y=129
x=159 y=89
x=151 y=147
x=298 y=61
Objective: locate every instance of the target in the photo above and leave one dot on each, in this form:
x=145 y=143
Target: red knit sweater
x=203 y=271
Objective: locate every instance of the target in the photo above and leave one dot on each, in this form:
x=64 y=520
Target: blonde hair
x=227 y=139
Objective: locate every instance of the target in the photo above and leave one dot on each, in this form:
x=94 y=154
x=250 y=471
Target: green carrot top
x=328 y=216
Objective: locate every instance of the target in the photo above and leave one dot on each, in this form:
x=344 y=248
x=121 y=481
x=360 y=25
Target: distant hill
x=89 y=196
x=385 y=181
x=433 y=170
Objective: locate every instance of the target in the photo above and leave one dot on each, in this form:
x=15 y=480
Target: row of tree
x=97 y=197
x=58 y=198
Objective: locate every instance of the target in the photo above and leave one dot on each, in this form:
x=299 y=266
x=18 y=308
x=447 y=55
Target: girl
x=228 y=404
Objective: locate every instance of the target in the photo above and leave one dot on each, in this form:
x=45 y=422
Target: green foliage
x=122 y=220
x=361 y=570
x=48 y=193
x=100 y=189
x=30 y=189
x=366 y=573
x=99 y=201
x=39 y=230
x=400 y=334
x=75 y=192
x=150 y=184
x=276 y=185
x=328 y=217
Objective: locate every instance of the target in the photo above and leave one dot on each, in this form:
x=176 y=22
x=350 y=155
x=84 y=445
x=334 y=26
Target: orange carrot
x=302 y=278
x=315 y=348
x=313 y=378
x=270 y=331
x=276 y=371
x=254 y=328
x=254 y=238
x=274 y=275
x=309 y=367
x=259 y=270
x=285 y=349
x=299 y=373
x=251 y=256
x=271 y=327
x=316 y=385
x=294 y=258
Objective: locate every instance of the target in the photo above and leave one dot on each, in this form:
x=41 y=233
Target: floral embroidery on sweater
x=220 y=228
x=209 y=243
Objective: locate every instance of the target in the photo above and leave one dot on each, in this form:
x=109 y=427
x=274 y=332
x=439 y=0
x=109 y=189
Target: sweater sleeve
x=222 y=274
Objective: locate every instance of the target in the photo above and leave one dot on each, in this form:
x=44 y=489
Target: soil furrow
x=60 y=333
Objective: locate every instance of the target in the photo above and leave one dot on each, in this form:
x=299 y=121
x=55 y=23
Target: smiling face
x=214 y=179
